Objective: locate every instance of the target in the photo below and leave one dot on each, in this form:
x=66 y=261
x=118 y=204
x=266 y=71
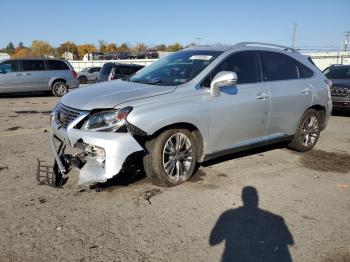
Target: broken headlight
x=110 y=120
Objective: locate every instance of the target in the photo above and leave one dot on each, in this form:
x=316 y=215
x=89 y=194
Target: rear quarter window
x=57 y=65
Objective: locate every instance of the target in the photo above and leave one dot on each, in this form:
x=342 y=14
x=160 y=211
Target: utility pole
x=293 y=34
x=347 y=35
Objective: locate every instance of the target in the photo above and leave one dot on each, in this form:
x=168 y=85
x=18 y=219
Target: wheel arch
x=323 y=113
x=189 y=126
x=55 y=80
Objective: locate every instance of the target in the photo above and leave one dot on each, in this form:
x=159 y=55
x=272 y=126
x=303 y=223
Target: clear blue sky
x=320 y=23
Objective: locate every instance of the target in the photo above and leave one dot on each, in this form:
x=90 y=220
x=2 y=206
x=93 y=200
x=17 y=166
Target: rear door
x=291 y=91
x=11 y=78
x=239 y=116
x=35 y=76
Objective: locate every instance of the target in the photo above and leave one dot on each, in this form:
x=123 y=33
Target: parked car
x=89 y=74
x=121 y=70
x=189 y=107
x=28 y=75
x=150 y=54
x=340 y=90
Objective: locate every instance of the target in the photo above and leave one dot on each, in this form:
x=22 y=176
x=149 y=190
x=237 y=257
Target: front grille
x=340 y=91
x=65 y=115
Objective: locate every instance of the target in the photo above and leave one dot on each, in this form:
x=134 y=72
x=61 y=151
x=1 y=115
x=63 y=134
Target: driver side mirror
x=223 y=78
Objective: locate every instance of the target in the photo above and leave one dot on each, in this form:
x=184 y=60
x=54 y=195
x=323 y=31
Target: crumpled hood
x=110 y=94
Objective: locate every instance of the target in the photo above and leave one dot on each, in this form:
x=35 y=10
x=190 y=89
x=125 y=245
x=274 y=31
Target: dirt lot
x=303 y=209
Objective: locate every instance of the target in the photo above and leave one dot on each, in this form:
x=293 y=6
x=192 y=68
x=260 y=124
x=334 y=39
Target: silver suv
x=28 y=75
x=189 y=107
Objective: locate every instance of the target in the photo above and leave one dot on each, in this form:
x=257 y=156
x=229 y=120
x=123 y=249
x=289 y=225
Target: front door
x=239 y=116
x=11 y=78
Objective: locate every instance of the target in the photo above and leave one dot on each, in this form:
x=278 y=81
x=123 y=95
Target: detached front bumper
x=102 y=154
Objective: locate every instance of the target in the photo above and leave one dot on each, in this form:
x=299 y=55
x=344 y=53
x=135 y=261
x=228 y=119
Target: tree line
x=39 y=48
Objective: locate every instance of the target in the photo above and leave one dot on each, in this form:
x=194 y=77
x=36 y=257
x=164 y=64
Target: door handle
x=306 y=91
x=28 y=74
x=18 y=74
x=262 y=96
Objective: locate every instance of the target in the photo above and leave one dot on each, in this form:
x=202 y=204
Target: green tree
x=160 y=47
x=174 y=47
x=67 y=47
x=21 y=45
x=10 y=48
x=41 y=48
x=102 y=45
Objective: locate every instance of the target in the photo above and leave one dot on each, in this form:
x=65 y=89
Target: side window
x=9 y=66
x=244 y=64
x=33 y=65
x=134 y=69
x=304 y=71
x=278 y=67
x=122 y=70
x=57 y=65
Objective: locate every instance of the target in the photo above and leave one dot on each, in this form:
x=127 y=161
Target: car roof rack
x=286 y=48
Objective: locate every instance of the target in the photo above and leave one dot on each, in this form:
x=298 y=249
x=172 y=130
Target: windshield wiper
x=153 y=81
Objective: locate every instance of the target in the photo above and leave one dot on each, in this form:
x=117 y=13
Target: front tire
x=171 y=158
x=308 y=132
x=59 y=88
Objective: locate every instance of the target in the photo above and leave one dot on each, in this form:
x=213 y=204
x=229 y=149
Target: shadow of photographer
x=252 y=234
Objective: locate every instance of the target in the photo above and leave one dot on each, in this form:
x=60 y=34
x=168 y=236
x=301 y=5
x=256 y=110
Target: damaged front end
x=101 y=140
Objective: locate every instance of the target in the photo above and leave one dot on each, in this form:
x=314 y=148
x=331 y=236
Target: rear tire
x=83 y=80
x=59 y=88
x=171 y=158
x=308 y=131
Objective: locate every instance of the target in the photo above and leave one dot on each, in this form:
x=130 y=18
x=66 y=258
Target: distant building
x=325 y=59
x=4 y=56
x=68 y=56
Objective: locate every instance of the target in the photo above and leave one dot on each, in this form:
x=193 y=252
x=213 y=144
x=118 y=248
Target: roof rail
x=266 y=45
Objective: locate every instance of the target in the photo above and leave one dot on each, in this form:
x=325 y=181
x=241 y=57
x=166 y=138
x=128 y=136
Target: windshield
x=175 y=69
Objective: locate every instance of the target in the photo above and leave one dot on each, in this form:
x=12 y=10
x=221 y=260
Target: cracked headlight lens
x=109 y=120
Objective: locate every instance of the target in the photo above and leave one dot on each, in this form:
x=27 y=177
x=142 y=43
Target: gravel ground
x=303 y=210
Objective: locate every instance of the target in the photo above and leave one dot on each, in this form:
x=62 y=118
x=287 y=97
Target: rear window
x=9 y=66
x=134 y=69
x=33 y=65
x=337 y=73
x=122 y=70
x=57 y=65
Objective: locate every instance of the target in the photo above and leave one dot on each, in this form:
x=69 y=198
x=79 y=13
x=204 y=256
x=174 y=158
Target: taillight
x=74 y=74
x=111 y=76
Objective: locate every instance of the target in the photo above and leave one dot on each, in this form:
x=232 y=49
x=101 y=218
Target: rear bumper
x=102 y=153
x=341 y=103
x=73 y=83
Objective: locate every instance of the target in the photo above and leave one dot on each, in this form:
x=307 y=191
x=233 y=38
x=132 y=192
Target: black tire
x=306 y=136
x=83 y=80
x=184 y=159
x=59 y=88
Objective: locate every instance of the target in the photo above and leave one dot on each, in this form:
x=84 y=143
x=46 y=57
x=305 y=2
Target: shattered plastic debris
x=147 y=195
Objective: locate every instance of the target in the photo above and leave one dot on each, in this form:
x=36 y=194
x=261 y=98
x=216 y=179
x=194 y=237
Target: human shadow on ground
x=252 y=234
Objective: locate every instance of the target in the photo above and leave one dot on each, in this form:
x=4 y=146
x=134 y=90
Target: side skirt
x=268 y=141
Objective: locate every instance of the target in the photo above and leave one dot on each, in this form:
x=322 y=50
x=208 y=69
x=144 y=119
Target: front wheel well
x=192 y=128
